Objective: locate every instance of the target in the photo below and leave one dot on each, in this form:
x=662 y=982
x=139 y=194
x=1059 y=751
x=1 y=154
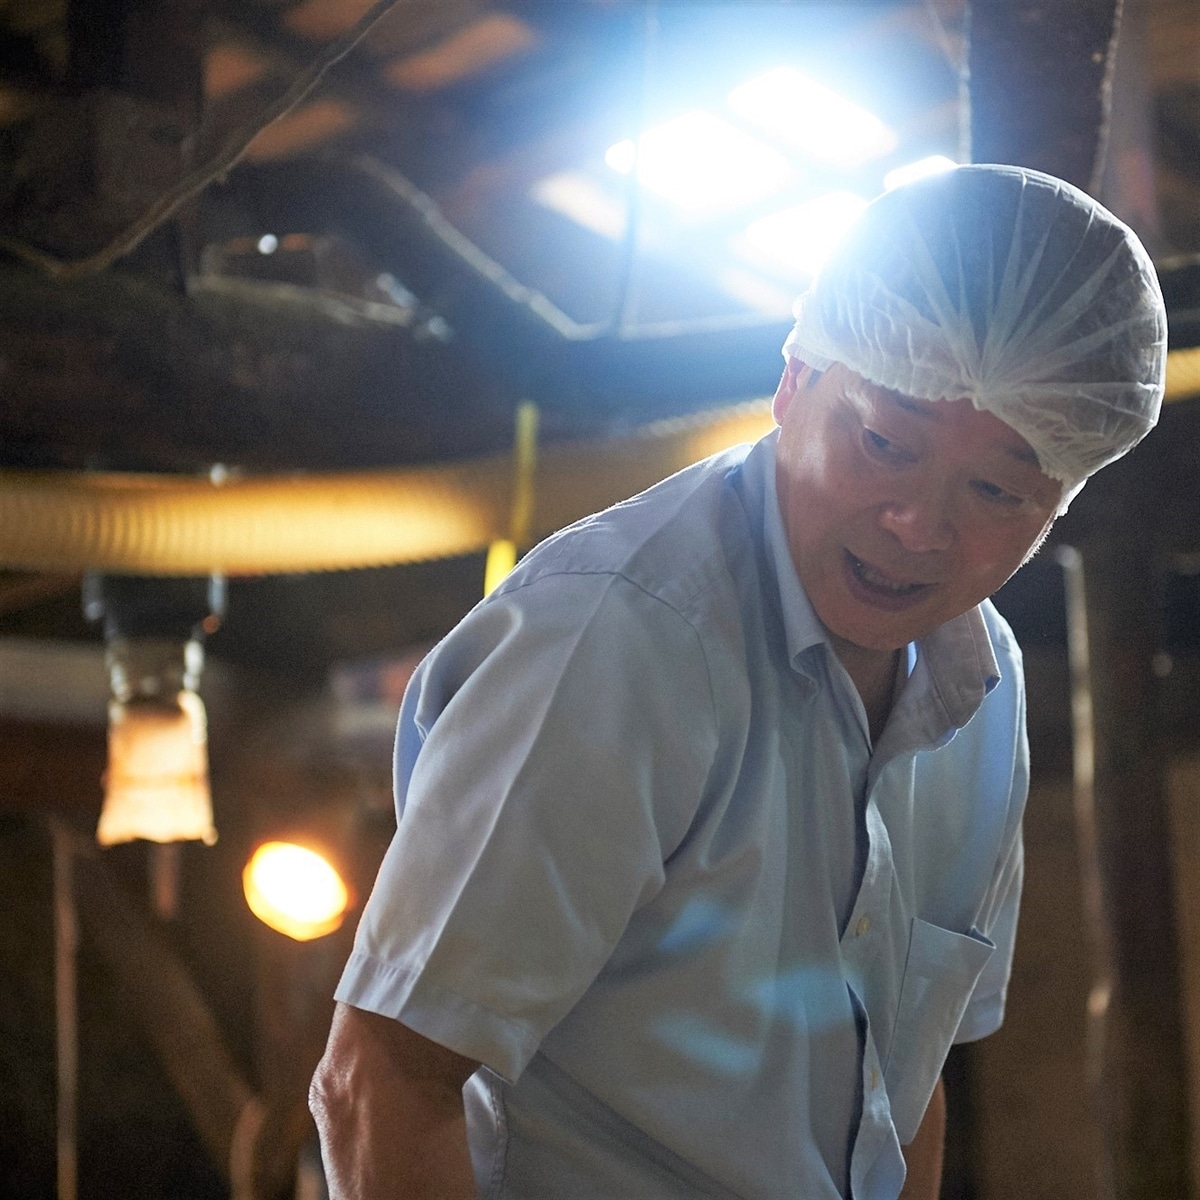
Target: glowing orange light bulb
x=294 y=890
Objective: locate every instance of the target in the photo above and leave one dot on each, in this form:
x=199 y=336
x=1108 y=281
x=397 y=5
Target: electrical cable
x=191 y=184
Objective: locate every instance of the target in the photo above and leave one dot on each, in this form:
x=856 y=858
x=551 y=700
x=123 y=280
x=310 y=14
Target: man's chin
x=848 y=639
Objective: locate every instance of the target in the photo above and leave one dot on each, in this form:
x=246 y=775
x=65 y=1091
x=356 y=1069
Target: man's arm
x=923 y=1155
x=389 y=1110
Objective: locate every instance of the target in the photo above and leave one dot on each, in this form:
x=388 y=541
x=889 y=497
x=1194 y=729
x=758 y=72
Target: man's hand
x=923 y=1155
x=389 y=1110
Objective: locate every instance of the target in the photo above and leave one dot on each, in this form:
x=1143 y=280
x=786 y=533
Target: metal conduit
x=173 y=525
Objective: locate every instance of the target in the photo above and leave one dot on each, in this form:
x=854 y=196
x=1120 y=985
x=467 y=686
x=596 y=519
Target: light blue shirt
x=650 y=871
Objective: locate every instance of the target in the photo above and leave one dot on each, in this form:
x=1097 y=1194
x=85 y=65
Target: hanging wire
x=952 y=46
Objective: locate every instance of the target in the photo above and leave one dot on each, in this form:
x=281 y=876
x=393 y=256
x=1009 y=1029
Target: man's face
x=900 y=513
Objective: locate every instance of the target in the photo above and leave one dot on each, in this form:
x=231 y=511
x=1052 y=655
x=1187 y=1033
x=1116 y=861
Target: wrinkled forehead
x=887 y=399
x=960 y=420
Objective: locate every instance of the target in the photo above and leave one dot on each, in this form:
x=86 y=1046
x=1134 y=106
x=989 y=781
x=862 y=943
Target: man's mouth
x=871 y=576
x=880 y=585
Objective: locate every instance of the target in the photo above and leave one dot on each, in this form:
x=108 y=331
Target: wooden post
x=1184 y=792
x=162 y=998
x=1039 y=83
x=1041 y=96
x=66 y=1016
x=1145 y=1060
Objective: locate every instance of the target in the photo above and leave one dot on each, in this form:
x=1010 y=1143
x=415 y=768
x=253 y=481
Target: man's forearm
x=388 y=1108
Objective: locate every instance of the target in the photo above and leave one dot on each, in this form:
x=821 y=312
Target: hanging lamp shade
x=156 y=784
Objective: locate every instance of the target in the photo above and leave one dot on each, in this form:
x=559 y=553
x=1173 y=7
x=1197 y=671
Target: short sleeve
x=985 y=1011
x=998 y=922
x=552 y=752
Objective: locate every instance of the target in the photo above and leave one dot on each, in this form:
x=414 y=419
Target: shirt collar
x=802 y=627
x=957 y=657
x=962 y=665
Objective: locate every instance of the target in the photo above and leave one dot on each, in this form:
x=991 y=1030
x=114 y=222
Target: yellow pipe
x=172 y=525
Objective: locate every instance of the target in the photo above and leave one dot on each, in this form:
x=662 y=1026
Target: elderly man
x=709 y=837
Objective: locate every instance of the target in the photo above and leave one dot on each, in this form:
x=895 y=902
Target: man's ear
x=795 y=379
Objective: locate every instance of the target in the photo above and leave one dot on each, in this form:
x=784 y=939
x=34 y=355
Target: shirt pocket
x=940 y=974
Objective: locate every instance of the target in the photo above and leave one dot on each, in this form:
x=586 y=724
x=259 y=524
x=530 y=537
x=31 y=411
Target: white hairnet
x=1006 y=286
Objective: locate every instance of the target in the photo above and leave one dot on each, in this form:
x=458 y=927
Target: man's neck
x=873 y=673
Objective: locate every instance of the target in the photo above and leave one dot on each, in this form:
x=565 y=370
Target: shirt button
x=863 y=926
x=874 y=1079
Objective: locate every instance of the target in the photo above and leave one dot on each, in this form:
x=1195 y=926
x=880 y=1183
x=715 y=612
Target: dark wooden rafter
x=122 y=130
x=161 y=997
x=111 y=137
x=1038 y=71
x=284 y=56
x=1040 y=74
x=115 y=372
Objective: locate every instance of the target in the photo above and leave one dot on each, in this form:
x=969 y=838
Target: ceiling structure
x=379 y=240
x=435 y=232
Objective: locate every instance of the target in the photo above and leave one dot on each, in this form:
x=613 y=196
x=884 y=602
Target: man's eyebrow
x=909 y=404
x=1024 y=454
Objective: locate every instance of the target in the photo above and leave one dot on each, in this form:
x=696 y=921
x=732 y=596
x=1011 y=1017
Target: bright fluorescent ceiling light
x=576 y=196
x=933 y=165
x=702 y=164
x=809 y=117
x=800 y=238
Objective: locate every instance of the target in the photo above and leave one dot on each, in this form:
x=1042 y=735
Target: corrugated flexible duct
x=173 y=525
x=1183 y=373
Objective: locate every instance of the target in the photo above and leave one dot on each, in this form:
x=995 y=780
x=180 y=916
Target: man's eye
x=880 y=446
x=997 y=494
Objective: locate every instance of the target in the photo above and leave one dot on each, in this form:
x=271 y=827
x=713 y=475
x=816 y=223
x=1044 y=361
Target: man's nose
x=920 y=522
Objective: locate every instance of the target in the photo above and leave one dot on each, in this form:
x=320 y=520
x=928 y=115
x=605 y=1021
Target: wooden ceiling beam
x=122 y=131
x=1038 y=71
x=1041 y=75
x=113 y=371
